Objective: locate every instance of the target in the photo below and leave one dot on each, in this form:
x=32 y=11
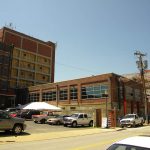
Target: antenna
x=10 y=25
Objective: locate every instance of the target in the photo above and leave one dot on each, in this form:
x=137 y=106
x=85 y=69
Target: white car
x=132 y=143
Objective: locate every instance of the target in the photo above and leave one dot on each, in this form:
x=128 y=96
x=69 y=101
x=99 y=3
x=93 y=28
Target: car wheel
x=142 y=123
x=17 y=129
x=65 y=125
x=74 y=124
x=43 y=121
x=58 y=123
x=91 y=124
x=7 y=131
x=133 y=125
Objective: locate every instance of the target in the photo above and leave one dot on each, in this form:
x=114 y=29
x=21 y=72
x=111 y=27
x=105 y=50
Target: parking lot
x=44 y=128
x=37 y=128
x=36 y=132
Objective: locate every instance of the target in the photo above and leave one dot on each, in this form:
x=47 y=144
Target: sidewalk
x=52 y=135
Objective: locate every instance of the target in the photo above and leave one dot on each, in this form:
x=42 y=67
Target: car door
x=137 y=120
x=83 y=119
x=5 y=121
x=86 y=120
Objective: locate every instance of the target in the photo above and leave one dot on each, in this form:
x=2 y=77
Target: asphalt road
x=95 y=141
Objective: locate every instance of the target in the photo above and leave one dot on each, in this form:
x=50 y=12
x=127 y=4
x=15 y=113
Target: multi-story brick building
x=31 y=62
x=92 y=93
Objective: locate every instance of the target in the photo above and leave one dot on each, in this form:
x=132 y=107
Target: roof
x=141 y=141
x=48 y=43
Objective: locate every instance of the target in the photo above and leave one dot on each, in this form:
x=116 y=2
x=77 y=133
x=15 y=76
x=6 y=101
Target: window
x=73 y=93
x=81 y=116
x=3 y=115
x=85 y=116
x=63 y=94
x=34 y=97
x=93 y=91
x=29 y=65
x=49 y=96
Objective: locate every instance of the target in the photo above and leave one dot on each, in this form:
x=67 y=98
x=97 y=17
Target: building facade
x=137 y=77
x=31 y=62
x=103 y=92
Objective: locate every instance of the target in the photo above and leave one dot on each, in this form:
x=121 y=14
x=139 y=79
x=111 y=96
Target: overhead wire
x=77 y=68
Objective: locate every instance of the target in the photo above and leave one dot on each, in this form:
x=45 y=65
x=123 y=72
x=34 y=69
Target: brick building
x=137 y=77
x=28 y=61
x=92 y=93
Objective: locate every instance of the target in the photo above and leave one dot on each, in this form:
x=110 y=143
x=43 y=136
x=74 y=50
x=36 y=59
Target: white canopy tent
x=40 y=106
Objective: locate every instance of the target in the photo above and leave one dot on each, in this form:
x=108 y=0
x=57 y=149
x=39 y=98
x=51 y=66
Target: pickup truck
x=78 y=119
x=8 y=123
x=131 y=120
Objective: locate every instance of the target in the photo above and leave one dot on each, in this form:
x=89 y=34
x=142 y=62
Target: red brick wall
x=12 y=39
x=44 y=50
x=29 y=45
x=53 y=66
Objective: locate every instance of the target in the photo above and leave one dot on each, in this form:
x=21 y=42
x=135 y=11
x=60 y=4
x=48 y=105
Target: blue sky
x=93 y=36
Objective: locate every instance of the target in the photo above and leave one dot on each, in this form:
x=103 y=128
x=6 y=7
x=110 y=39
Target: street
x=93 y=141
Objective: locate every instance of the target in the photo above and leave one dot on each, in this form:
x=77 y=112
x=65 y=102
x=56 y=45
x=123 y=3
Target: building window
x=73 y=108
x=49 y=96
x=63 y=94
x=29 y=65
x=73 y=93
x=34 y=97
x=93 y=91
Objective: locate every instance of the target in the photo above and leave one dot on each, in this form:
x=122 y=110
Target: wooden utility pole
x=142 y=65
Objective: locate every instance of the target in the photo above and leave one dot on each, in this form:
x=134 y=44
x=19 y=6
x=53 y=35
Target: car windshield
x=129 y=116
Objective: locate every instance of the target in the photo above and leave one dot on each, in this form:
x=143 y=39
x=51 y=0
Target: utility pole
x=142 y=65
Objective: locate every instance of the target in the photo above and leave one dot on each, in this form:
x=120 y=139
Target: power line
x=77 y=68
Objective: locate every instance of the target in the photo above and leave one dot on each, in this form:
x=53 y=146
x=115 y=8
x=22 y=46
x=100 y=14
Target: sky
x=92 y=36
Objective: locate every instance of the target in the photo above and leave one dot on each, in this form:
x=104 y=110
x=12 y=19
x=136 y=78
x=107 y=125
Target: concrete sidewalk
x=52 y=135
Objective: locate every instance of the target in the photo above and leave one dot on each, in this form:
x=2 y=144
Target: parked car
x=57 y=120
x=42 y=117
x=132 y=143
x=12 y=109
x=13 y=114
x=131 y=120
x=8 y=123
x=78 y=119
x=28 y=114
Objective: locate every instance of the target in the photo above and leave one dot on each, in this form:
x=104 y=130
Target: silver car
x=8 y=123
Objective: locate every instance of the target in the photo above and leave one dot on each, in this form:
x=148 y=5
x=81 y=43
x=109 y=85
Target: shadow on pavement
x=10 y=134
x=122 y=129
